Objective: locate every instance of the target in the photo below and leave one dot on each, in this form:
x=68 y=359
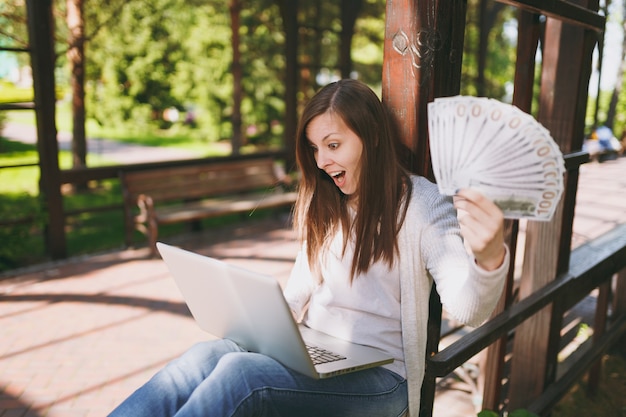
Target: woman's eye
x=333 y=146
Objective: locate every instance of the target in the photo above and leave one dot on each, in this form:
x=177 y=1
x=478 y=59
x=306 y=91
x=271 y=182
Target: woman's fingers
x=482 y=226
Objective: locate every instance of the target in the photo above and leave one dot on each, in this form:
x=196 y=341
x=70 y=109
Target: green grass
x=18 y=180
x=9 y=93
x=610 y=399
x=23 y=243
x=85 y=233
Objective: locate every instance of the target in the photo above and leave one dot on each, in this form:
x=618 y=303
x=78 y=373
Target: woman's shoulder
x=423 y=188
x=425 y=198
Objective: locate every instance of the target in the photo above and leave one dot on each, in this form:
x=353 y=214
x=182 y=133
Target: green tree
x=489 y=50
x=615 y=119
x=167 y=54
x=368 y=42
x=263 y=64
x=133 y=59
x=13 y=27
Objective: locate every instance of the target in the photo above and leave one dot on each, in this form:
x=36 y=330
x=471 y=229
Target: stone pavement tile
x=601 y=199
x=78 y=339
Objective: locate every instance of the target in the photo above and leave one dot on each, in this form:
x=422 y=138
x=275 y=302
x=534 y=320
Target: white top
x=366 y=312
x=430 y=248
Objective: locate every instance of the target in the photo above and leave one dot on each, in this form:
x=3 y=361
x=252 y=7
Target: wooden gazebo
x=422 y=60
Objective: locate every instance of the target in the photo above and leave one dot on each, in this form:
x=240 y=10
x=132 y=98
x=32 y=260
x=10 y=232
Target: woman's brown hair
x=321 y=209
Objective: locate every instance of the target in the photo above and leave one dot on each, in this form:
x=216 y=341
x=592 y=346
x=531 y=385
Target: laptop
x=249 y=308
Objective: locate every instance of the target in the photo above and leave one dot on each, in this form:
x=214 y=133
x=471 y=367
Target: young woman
x=374 y=238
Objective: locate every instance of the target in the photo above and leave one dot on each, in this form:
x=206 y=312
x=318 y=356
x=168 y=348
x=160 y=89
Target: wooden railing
x=87 y=174
x=592 y=266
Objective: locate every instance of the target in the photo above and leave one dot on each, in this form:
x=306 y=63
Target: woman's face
x=337 y=150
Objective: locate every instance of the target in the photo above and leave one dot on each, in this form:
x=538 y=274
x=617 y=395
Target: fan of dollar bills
x=498 y=149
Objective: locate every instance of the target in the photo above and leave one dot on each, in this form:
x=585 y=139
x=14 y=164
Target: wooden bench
x=190 y=193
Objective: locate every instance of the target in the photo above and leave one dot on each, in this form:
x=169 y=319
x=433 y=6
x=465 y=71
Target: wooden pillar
x=619 y=304
x=528 y=40
x=421 y=36
x=565 y=78
x=423 y=53
x=599 y=329
x=289 y=9
x=41 y=38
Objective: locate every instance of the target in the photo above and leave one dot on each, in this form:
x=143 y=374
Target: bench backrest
x=197 y=181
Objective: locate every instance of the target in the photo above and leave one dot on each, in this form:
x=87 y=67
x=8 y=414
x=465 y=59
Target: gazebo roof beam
x=562 y=10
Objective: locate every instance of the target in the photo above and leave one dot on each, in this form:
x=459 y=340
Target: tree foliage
x=500 y=28
x=169 y=53
x=146 y=57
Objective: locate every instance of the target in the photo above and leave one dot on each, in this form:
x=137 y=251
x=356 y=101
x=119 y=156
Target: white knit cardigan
x=431 y=247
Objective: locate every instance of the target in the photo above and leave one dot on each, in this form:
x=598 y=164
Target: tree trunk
x=349 y=12
x=237 y=139
x=610 y=114
x=289 y=13
x=483 y=38
x=600 y=59
x=76 y=58
x=488 y=14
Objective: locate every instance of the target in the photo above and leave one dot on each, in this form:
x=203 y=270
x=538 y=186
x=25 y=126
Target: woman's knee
x=247 y=363
x=253 y=370
x=199 y=360
x=207 y=350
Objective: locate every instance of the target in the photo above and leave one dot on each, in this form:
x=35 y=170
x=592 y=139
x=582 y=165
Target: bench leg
x=196 y=225
x=128 y=240
x=153 y=232
x=129 y=228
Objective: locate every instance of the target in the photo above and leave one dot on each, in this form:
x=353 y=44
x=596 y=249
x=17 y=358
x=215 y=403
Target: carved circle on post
x=431 y=39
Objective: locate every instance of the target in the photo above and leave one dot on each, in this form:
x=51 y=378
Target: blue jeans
x=217 y=378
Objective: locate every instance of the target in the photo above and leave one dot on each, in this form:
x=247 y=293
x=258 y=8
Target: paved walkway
x=77 y=337
x=110 y=150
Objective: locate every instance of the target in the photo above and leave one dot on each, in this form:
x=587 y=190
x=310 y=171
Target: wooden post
x=432 y=347
x=41 y=38
x=565 y=79
x=419 y=37
x=619 y=304
x=289 y=11
x=493 y=367
x=599 y=328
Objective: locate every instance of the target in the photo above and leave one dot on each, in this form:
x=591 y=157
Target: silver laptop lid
x=246 y=307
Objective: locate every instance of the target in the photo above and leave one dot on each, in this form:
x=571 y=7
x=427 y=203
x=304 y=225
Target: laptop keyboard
x=319 y=355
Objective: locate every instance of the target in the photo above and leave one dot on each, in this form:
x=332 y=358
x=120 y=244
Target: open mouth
x=338 y=177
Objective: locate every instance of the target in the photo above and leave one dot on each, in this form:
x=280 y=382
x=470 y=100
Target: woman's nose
x=321 y=158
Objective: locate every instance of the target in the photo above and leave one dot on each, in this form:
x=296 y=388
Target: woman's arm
x=469 y=284
x=299 y=286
